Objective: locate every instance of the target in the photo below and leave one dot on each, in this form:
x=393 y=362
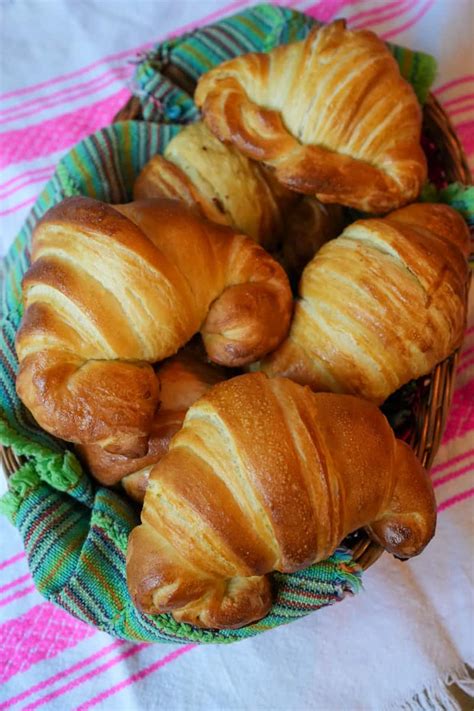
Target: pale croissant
x=112 y=290
x=380 y=305
x=331 y=115
x=224 y=185
x=266 y=475
x=182 y=380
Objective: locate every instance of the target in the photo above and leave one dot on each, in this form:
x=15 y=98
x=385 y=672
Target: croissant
x=380 y=305
x=112 y=290
x=266 y=475
x=220 y=182
x=331 y=115
x=182 y=380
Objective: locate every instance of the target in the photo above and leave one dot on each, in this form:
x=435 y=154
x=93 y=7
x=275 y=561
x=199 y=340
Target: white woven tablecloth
x=65 y=68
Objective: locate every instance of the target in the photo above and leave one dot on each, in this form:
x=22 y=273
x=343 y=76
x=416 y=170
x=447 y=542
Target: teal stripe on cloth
x=456 y=195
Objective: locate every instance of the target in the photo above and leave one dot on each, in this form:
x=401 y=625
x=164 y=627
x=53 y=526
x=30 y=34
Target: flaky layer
x=266 y=475
x=380 y=305
x=331 y=115
x=113 y=289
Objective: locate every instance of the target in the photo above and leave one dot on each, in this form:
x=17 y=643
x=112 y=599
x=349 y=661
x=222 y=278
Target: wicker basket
x=434 y=390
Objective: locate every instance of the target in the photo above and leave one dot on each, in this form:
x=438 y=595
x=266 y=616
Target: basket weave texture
x=47 y=482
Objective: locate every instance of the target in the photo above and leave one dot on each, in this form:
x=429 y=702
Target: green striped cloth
x=75 y=533
x=259 y=29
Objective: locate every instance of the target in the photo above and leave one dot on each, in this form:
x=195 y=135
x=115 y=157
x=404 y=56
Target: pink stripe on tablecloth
x=85 y=677
x=287 y=3
x=402 y=9
x=42 y=177
x=75 y=94
x=78 y=72
x=374 y=11
x=453 y=83
x=458 y=99
x=455 y=500
x=461 y=418
x=60 y=675
x=14 y=559
x=453 y=475
x=10 y=210
x=15 y=596
x=325 y=10
x=14 y=583
x=126 y=53
x=450 y=462
x=41 y=633
x=461 y=109
x=136 y=677
x=466 y=352
x=465 y=133
x=64 y=95
x=423 y=10
x=468 y=363
x=60 y=132
x=26 y=174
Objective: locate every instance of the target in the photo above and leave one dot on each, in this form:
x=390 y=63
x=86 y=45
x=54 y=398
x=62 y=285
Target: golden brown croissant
x=183 y=379
x=380 y=305
x=266 y=475
x=113 y=289
x=331 y=115
x=224 y=185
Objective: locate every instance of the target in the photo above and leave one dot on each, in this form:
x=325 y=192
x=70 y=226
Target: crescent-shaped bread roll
x=331 y=115
x=266 y=475
x=224 y=185
x=380 y=305
x=112 y=290
x=182 y=379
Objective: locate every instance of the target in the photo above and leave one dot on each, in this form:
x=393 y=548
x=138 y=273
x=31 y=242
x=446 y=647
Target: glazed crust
x=182 y=380
x=380 y=305
x=267 y=475
x=112 y=290
x=331 y=115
